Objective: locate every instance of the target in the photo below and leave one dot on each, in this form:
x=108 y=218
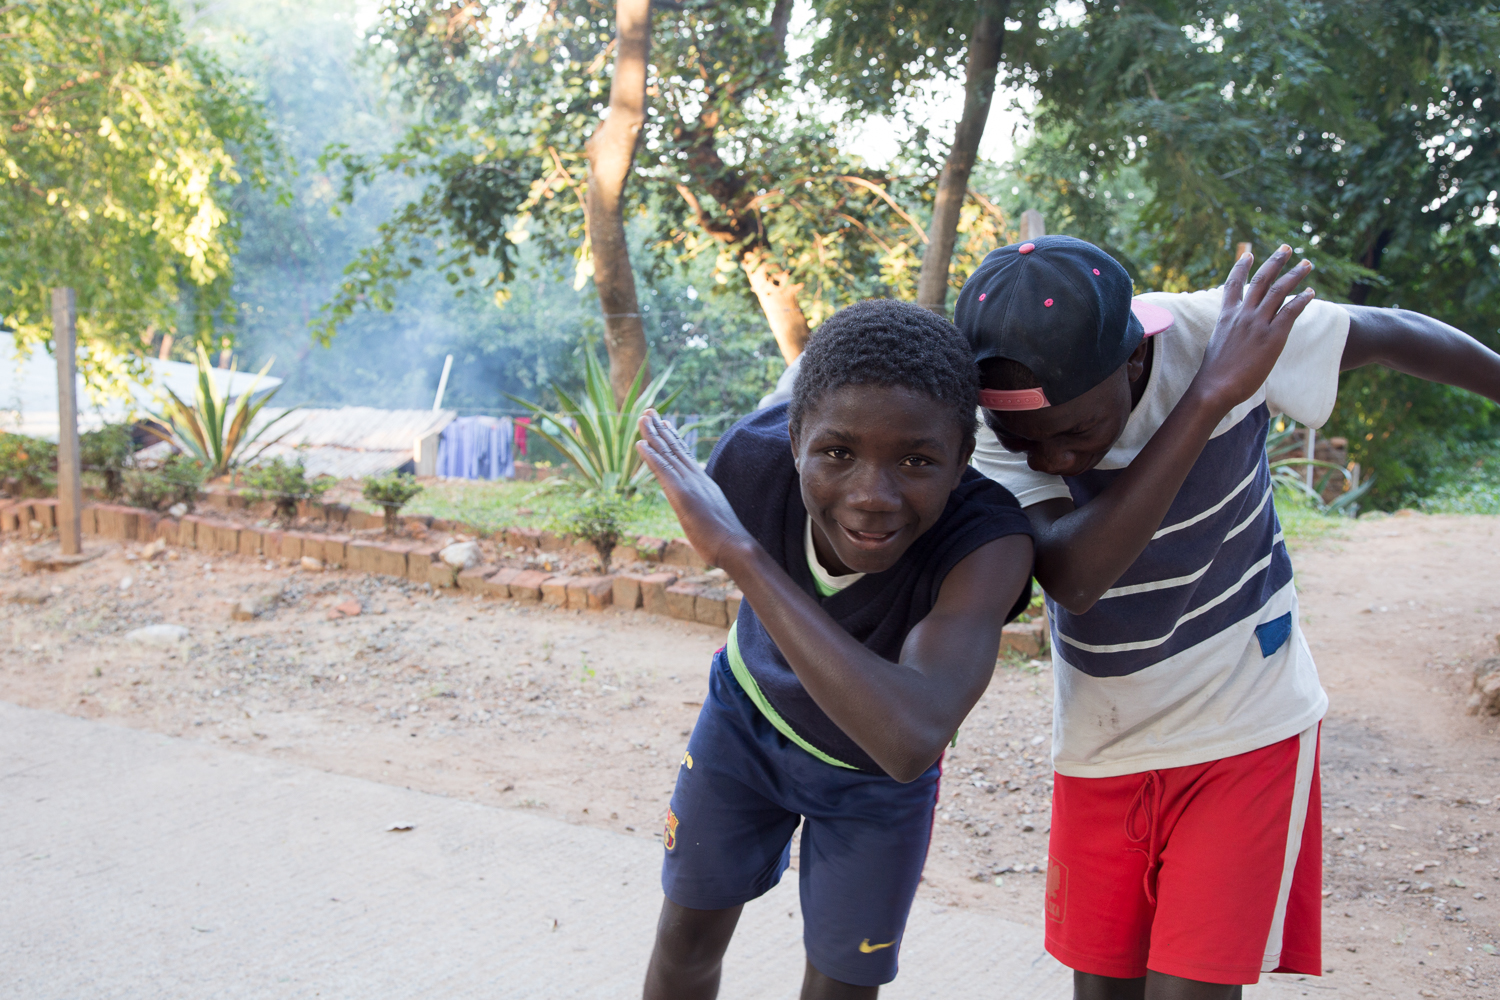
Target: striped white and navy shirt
x=1196 y=653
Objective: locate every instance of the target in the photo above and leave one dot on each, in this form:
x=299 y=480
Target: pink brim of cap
x=1154 y=318
x=1013 y=399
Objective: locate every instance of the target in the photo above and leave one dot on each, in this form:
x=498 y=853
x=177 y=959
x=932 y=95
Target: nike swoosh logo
x=866 y=947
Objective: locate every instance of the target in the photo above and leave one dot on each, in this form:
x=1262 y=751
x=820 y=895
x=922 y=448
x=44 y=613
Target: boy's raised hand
x=1254 y=323
x=707 y=520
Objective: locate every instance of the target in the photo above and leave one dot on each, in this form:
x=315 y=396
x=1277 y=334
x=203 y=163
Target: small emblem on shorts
x=669 y=835
x=1057 y=889
x=866 y=947
x=687 y=759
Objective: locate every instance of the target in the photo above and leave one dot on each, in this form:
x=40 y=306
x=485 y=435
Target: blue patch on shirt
x=1274 y=633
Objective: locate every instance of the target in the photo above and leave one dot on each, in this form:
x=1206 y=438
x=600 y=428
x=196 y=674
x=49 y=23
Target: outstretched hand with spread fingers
x=707 y=519
x=1255 y=320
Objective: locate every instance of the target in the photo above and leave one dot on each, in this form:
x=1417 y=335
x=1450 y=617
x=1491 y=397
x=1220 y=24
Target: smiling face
x=1071 y=438
x=877 y=465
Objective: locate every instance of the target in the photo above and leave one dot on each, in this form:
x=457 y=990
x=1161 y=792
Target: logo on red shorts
x=1057 y=889
x=669 y=835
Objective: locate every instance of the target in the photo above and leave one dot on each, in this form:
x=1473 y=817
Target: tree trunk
x=777 y=296
x=611 y=149
x=985 y=42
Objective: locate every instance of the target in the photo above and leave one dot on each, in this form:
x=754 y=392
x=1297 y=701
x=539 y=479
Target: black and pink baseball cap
x=1061 y=307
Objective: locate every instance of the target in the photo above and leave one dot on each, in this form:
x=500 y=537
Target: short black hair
x=889 y=343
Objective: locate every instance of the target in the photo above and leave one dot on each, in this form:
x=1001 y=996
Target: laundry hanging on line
x=478 y=448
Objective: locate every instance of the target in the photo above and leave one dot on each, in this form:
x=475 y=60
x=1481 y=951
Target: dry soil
x=584 y=716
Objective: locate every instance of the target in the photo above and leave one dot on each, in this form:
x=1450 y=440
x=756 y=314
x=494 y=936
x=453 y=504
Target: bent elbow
x=1075 y=602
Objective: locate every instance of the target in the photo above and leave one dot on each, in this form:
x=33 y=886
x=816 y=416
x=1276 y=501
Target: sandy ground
x=584 y=716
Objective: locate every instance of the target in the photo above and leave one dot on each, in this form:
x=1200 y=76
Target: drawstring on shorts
x=1147 y=802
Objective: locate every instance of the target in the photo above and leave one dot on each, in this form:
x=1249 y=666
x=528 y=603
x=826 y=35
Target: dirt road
x=583 y=716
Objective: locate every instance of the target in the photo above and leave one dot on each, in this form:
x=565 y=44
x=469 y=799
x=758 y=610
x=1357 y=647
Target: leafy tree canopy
x=727 y=166
x=1365 y=133
x=120 y=143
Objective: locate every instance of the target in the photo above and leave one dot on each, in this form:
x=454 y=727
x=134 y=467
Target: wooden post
x=1032 y=224
x=69 y=487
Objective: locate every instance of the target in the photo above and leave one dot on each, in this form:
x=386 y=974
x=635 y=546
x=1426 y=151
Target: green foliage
x=28 y=466
x=285 y=484
x=1365 y=134
x=207 y=430
x=596 y=438
x=179 y=480
x=107 y=452
x=121 y=145
x=728 y=167
x=1289 y=471
x=599 y=518
x=391 y=491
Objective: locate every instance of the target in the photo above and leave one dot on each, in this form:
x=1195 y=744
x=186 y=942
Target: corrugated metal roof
x=361 y=427
x=351 y=442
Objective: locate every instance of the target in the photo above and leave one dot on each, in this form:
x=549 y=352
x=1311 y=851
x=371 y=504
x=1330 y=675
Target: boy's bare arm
x=1419 y=345
x=1081 y=552
x=902 y=714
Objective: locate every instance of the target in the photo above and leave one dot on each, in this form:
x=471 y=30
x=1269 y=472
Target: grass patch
x=505 y=503
x=1303 y=524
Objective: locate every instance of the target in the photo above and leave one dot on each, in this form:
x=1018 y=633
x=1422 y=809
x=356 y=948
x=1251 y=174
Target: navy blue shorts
x=741 y=791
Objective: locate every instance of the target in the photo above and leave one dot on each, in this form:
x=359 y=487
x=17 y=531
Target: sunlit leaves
x=118 y=147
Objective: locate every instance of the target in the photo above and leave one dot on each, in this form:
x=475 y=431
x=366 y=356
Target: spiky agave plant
x=207 y=430
x=597 y=436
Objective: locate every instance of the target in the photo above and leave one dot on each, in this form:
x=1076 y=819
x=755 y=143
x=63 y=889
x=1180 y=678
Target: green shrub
x=179 y=480
x=284 y=484
x=28 y=466
x=108 y=452
x=599 y=518
x=391 y=491
x=597 y=436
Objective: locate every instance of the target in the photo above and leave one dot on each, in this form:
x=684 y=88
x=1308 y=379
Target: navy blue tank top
x=753 y=465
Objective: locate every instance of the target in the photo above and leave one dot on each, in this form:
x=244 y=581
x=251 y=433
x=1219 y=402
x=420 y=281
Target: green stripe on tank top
x=747 y=682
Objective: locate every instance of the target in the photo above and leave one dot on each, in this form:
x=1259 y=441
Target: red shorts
x=1210 y=872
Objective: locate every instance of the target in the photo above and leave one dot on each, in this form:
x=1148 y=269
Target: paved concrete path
x=139 y=865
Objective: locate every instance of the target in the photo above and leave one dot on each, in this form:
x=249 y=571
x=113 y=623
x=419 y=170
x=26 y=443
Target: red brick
x=591 y=593
x=390 y=558
x=680 y=600
x=523 y=538
x=501 y=580
x=45 y=511
x=146 y=522
x=187 y=531
x=555 y=591
x=167 y=528
x=361 y=556
x=627 y=589
x=679 y=553
x=86 y=521
x=526 y=586
x=1026 y=638
x=476 y=580
x=336 y=549
x=708 y=607
x=654 y=592
x=290 y=549
x=251 y=541
x=226 y=538
x=12 y=517
x=419 y=563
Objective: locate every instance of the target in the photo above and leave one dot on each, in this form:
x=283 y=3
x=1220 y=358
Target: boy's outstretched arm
x=902 y=714
x=1081 y=552
x=1419 y=345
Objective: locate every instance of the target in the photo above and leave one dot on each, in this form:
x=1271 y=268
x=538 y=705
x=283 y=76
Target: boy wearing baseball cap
x=1185 y=853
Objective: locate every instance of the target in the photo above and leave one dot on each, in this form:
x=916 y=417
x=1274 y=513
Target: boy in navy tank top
x=878 y=569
